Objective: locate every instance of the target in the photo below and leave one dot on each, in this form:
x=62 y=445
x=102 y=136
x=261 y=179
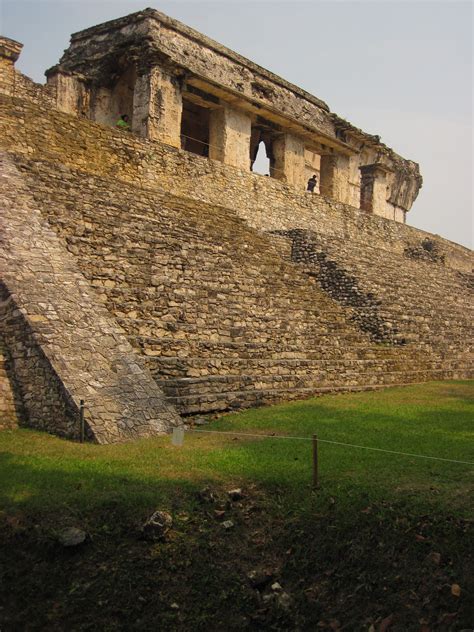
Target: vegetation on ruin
x=385 y=542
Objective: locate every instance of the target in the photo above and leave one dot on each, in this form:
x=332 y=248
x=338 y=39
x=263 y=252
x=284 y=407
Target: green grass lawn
x=381 y=545
x=41 y=471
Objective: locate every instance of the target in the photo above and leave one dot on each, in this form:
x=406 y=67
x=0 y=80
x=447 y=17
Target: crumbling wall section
x=342 y=286
x=15 y=84
x=26 y=88
x=405 y=299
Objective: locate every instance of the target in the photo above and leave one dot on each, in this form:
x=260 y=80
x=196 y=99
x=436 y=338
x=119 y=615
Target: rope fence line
x=349 y=445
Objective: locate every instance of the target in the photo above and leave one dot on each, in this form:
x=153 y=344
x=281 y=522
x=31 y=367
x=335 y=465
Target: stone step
x=235 y=399
x=213 y=384
x=195 y=367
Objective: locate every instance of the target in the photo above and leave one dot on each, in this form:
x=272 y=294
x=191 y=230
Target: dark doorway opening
x=195 y=128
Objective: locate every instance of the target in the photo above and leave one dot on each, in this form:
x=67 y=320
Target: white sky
x=401 y=69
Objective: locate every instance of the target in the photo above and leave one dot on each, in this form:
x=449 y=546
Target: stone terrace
x=221 y=319
x=274 y=295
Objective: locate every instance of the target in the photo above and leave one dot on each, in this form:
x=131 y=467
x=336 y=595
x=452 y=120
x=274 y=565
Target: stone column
x=335 y=173
x=289 y=166
x=373 y=189
x=157 y=107
x=9 y=53
x=70 y=93
x=229 y=137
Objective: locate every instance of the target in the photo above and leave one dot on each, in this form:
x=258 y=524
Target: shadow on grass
x=324 y=552
x=47 y=487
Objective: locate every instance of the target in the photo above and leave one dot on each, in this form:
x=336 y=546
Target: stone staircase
x=63 y=345
x=412 y=299
x=225 y=316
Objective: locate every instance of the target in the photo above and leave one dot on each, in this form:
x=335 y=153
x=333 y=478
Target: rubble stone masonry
x=147 y=279
x=62 y=344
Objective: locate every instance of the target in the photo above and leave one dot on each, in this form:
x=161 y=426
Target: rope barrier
x=350 y=445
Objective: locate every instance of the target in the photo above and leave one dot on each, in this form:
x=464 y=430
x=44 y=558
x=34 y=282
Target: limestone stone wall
x=182 y=256
x=263 y=202
x=63 y=345
x=45 y=403
x=25 y=88
x=220 y=314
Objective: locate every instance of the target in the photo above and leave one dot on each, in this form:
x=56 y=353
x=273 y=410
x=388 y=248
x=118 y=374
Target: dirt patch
x=238 y=562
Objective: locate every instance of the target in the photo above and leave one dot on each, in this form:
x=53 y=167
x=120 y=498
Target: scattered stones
x=219 y=513
x=201 y=421
x=235 y=494
x=228 y=524
x=206 y=495
x=72 y=536
x=284 y=600
x=259 y=579
x=435 y=557
x=157 y=526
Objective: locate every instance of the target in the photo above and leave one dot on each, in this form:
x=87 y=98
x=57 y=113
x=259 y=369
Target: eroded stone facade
x=151 y=261
x=181 y=88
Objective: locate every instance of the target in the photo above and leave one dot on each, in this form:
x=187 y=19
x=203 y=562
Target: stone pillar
x=335 y=174
x=70 y=93
x=289 y=165
x=157 y=107
x=373 y=189
x=9 y=53
x=229 y=137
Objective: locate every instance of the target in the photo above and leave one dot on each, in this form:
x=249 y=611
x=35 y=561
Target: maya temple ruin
x=150 y=273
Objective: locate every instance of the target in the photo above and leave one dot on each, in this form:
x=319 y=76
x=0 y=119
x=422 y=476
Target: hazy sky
x=401 y=69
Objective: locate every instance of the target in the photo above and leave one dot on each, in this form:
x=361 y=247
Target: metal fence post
x=81 y=421
x=315 y=462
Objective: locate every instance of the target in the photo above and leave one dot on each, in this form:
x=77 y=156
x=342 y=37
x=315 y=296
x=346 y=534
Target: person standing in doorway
x=312 y=182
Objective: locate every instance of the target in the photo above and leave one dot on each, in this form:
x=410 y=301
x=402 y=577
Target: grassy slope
x=433 y=419
x=351 y=555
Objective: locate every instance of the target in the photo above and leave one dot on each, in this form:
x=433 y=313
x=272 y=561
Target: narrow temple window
x=195 y=128
x=366 y=192
x=261 y=164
